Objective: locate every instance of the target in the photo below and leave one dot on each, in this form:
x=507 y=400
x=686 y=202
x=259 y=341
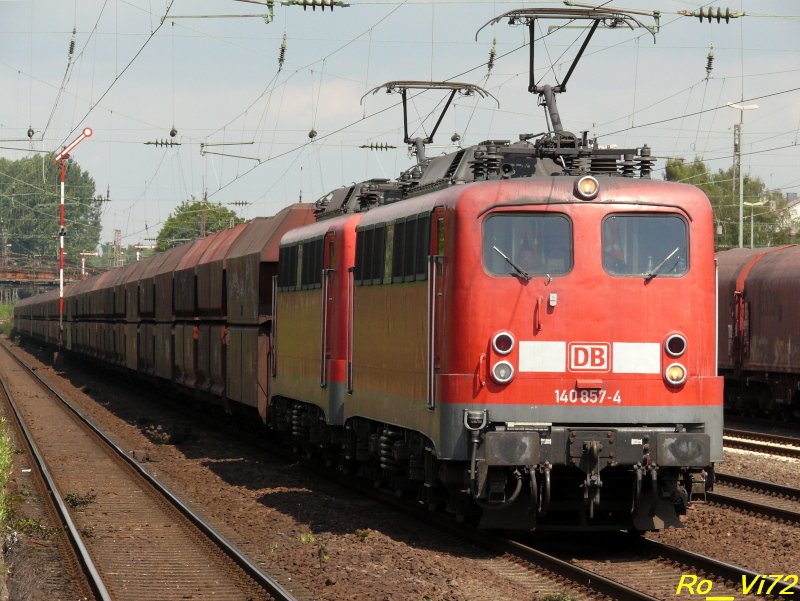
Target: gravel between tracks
x=752 y=542
x=770 y=468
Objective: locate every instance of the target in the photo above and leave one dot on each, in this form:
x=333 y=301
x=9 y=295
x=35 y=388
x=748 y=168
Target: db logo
x=589 y=357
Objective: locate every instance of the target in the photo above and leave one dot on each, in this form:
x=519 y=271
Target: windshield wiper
x=654 y=272
x=520 y=272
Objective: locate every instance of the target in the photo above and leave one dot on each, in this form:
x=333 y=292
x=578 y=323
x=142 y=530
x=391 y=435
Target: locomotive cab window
x=530 y=243
x=645 y=245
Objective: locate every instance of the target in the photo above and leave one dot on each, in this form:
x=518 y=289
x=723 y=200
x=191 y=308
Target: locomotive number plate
x=595 y=396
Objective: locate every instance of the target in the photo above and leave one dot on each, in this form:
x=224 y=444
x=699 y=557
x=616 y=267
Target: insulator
x=72 y=44
x=30 y=131
x=604 y=164
x=164 y=143
x=492 y=160
x=368 y=199
x=710 y=62
x=492 y=55
x=173 y=132
x=378 y=146
x=646 y=162
x=312 y=134
x=712 y=14
x=315 y=3
x=628 y=165
x=282 y=55
x=455 y=137
x=581 y=165
x=478 y=166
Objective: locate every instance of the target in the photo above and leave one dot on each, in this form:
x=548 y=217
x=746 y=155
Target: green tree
x=29 y=211
x=772 y=225
x=193 y=220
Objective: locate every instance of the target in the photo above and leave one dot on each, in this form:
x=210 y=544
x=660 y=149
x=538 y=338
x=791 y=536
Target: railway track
x=756 y=496
x=786 y=446
x=655 y=569
x=133 y=538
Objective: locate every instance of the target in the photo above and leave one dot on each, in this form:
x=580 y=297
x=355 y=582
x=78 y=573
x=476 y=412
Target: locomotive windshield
x=645 y=245
x=536 y=243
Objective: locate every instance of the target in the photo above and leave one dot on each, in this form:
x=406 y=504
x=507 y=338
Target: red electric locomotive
x=530 y=330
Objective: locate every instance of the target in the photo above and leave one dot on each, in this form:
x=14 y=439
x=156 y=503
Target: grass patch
x=76 y=500
x=7 y=319
x=6 y=454
x=306 y=537
x=33 y=527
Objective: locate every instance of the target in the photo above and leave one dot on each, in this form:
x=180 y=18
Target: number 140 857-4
x=594 y=396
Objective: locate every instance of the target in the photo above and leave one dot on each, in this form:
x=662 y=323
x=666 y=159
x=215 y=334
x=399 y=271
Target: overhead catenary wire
x=278 y=143
x=118 y=75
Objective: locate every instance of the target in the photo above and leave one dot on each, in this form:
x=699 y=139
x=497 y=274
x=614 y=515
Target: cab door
x=435 y=302
x=328 y=288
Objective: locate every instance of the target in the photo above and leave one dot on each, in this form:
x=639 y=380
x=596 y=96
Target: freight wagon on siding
x=759 y=330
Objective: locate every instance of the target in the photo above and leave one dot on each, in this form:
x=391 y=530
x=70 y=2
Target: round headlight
x=675 y=345
x=503 y=343
x=587 y=187
x=502 y=372
x=675 y=374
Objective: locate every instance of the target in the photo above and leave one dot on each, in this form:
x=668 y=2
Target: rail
x=91 y=574
x=262 y=579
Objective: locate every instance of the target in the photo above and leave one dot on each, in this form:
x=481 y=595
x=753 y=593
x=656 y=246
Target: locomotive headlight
x=586 y=188
x=502 y=372
x=503 y=343
x=675 y=374
x=675 y=345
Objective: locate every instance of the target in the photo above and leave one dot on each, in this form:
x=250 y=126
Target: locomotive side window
x=378 y=255
x=645 y=245
x=311 y=276
x=287 y=261
x=423 y=246
x=397 y=250
x=411 y=247
x=370 y=255
x=531 y=243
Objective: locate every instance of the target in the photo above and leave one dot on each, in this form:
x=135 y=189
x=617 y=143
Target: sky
x=209 y=69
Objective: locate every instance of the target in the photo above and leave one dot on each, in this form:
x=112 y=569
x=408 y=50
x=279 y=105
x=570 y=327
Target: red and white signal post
x=61 y=159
